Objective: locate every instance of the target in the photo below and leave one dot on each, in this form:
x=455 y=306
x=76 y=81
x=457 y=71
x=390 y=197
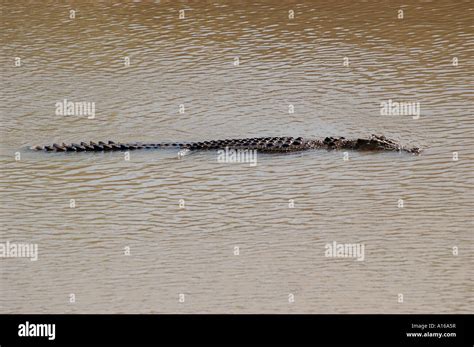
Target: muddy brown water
x=236 y=67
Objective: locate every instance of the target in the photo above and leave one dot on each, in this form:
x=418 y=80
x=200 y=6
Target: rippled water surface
x=192 y=62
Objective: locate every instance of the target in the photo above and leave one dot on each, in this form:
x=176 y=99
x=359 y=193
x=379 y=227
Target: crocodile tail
x=103 y=147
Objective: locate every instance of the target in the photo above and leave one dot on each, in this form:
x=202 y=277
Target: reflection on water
x=281 y=250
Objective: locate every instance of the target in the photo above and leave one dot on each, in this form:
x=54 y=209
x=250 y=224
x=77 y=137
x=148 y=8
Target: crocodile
x=261 y=144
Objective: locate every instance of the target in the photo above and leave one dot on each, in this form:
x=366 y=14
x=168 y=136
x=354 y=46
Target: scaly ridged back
x=267 y=144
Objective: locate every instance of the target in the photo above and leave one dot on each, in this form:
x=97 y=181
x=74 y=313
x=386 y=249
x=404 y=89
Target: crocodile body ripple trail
x=261 y=144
